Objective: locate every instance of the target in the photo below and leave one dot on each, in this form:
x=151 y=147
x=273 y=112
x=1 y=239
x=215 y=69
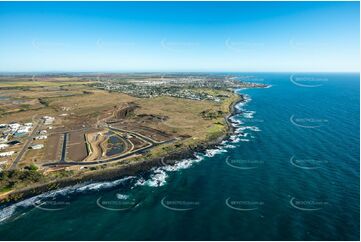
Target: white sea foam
x=239 y=106
x=7 y=212
x=235 y=122
x=213 y=152
x=183 y=164
x=253 y=128
x=157 y=179
x=247 y=99
x=241 y=133
x=248 y=114
x=101 y=185
x=159 y=175
x=234 y=139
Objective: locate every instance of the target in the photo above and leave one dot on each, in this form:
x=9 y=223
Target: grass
x=86 y=104
x=27 y=84
x=189 y=112
x=5 y=189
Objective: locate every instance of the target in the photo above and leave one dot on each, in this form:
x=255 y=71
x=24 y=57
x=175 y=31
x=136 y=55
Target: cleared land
x=53 y=147
x=76 y=146
x=104 y=126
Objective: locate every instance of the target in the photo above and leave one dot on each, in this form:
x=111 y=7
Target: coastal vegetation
x=12 y=179
x=88 y=118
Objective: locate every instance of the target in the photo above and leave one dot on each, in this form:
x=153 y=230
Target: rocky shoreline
x=125 y=170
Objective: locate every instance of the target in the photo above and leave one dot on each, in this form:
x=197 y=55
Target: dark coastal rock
x=125 y=170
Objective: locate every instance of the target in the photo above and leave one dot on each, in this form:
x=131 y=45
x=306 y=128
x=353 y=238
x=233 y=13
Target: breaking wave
x=157 y=177
x=248 y=114
x=9 y=211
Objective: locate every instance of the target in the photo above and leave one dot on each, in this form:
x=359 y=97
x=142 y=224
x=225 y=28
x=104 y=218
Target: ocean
x=291 y=172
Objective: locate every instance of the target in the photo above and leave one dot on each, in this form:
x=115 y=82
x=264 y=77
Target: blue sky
x=180 y=36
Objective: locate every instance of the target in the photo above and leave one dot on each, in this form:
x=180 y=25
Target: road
x=152 y=143
x=136 y=134
x=97 y=162
x=26 y=145
x=63 y=150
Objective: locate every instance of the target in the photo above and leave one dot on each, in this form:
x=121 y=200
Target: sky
x=180 y=36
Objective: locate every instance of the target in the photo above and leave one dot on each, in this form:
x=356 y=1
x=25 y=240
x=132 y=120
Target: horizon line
x=129 y=72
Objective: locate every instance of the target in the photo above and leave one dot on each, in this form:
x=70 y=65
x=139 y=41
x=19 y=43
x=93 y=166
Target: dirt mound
x=126 y=112
x=151 y=118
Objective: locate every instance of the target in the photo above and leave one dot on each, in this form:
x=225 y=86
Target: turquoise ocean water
x=290 y=173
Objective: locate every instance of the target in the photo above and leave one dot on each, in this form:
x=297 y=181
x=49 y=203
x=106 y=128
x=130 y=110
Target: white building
x=40 y=137
x=3 y=146
x=37 y=146
x=48 y=120
x=24 y=129
x=8 y=153
x=4 y=139
x=14 y=126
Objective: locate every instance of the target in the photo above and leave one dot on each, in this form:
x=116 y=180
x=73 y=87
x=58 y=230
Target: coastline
x=121 y=171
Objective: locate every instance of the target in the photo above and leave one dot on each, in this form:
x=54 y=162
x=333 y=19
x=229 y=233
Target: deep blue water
x=293 y=175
